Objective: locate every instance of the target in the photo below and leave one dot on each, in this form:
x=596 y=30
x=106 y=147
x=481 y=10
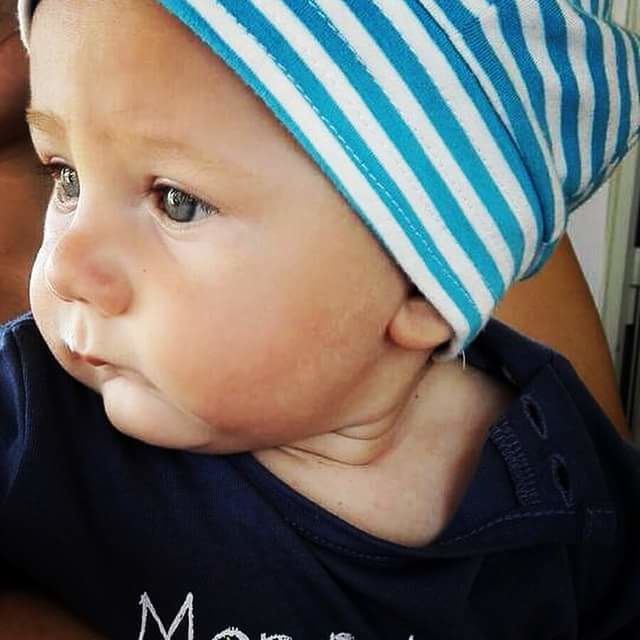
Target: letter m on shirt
x=148 y=608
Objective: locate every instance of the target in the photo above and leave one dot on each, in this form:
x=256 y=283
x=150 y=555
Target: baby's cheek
x=40 y=298
x=225 y=392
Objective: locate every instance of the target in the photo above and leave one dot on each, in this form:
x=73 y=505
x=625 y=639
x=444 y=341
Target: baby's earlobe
x=417 y=325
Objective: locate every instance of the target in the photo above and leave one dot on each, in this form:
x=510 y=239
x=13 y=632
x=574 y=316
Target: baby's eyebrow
x=45 y=121
x=52 y=124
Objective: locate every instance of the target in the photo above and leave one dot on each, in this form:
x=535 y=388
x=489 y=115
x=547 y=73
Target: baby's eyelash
x=50 y=169
x=162 y=189
x=53 y=171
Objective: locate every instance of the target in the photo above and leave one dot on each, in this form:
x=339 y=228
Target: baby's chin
x=139 y=410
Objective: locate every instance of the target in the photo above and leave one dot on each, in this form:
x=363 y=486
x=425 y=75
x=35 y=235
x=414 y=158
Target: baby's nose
x=80 y=268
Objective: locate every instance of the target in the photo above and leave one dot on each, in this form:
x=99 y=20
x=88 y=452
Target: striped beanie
x=462 y=132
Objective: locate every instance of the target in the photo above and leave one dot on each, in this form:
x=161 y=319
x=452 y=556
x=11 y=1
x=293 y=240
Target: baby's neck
x=401 y=478
x=445 y=402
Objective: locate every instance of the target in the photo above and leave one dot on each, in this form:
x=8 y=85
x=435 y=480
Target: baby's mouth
x=103 y=370
x=93 y=361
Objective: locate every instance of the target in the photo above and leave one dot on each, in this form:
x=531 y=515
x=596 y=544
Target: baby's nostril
x=534 y=415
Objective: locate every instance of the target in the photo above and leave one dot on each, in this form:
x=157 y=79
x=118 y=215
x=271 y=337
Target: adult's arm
x=556 y=307
x=21 y=186
x=21 y=219
x=31 y=617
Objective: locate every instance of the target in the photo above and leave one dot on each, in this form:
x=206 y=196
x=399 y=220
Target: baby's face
x=221 y=291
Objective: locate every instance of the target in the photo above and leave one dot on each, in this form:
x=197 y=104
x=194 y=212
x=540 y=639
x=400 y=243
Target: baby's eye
x=178 y=206
x=66 y=184
x=182 y=207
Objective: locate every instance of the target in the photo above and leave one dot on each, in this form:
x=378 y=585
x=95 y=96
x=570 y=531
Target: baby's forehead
x=133 y=90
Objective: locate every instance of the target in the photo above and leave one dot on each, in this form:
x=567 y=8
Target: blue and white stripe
x=462 y=132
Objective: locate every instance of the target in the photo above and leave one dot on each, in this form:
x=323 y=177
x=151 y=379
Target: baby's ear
x=417 y=325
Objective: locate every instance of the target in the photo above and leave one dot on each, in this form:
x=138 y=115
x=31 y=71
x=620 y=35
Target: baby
x=274 y=226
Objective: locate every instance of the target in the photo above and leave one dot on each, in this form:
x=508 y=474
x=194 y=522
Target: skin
x=13 y=92
x=30 y=617
x=22 y=191
x=401 y=325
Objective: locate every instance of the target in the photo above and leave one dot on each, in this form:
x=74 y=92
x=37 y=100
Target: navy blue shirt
x=141 y=541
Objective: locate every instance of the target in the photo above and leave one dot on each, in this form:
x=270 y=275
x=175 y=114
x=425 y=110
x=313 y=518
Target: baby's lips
x=96 y=362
